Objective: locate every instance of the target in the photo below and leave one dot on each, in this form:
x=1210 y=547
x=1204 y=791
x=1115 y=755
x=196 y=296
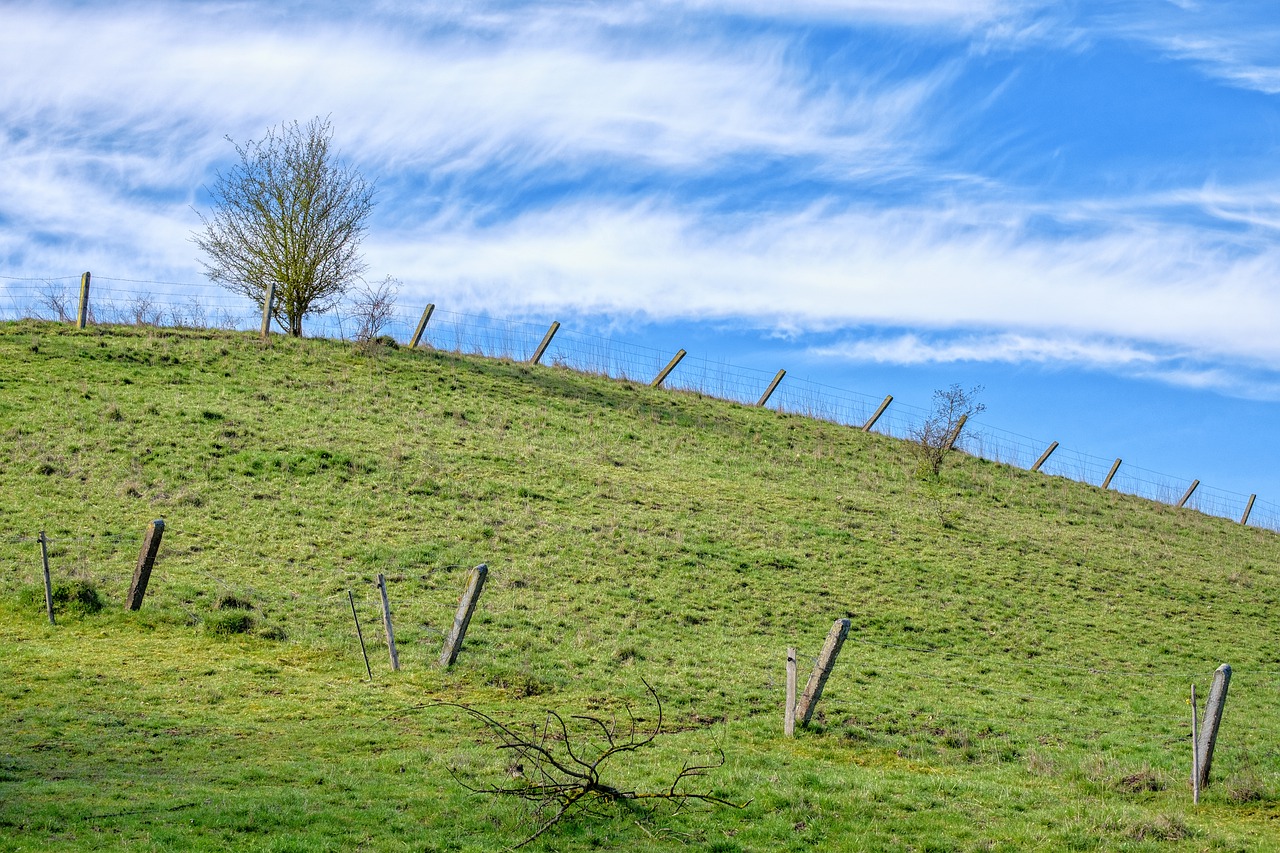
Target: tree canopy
x=289 y=214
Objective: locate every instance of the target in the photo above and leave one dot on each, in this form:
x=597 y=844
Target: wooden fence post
x=146 y=559
x=1187 y=496
x=789 y=714
x=1212 y=720
x=546 y=342
x=871 y=421
x=82 y=317
x=1044 y=457
x=951 y=439
x=48 y=584
x=671 y=365
x=773 y=386
x=467 y=606
x=1106 y=484
x=386 y=621
x=422 y=325
x=822 y=671
x=267 y=305
x=1248 y=508
x=360 y=635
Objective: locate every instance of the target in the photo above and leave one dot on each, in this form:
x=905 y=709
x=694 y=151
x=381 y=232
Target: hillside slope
x=1016 y=676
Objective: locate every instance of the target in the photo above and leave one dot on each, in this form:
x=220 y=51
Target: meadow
x=1016 y=676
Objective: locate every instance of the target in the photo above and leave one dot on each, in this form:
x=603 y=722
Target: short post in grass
x=1248 y=508
x=1044 y=457
x=1115 y=466
x=386 y=621
x=768 y=392
x=267 y=305
x=546 y=342
x=666 y=371
x=871 y=421
x=48 y=584
x=82 y=316
x=1186 y=496
x=360 y=635
x=1212 y=720
x=466 y=607
x=822 y=671
x=146 y=560
x=789 y=715
x=422 y=325
x=1195 y=752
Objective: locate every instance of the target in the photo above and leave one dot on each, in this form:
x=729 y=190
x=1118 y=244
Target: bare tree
x=375 y=304
x=289 y=214
x=937 y=434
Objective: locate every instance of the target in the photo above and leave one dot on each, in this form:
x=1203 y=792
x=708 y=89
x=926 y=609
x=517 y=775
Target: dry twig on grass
x=560 y=769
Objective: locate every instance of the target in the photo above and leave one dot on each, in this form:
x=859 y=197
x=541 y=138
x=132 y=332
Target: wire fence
x=184 y=305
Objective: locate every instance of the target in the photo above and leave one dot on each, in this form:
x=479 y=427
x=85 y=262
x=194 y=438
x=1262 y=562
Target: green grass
x=1015 y=678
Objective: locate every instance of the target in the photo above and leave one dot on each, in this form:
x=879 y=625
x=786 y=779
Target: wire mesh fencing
x=183 y=305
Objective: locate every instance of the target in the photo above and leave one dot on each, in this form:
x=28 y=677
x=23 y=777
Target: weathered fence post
x=386 y=621
x=467 y=606
x=48 y=584
x=1212 y=720
x=267 y=305
x=146 y=559
x=1115 y=466
x=422 y=325
x=546 y=342
x=1248 y=508
x=871 y=421
x=671 y=365
x=1187 y=496
x=789 y=714
x=82 y=317
x=951 y=439
x=1044 y=457
x=773 y=386
x=1195 y=752
x=360 y=635
x=822 y=671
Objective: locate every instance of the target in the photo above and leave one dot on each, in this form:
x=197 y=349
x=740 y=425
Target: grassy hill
x=1016 y=676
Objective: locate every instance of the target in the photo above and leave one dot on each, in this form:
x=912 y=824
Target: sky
x=1074 y=205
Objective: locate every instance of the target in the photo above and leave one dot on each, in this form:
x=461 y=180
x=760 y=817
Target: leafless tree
x=375 y=304
x=936 y=435
x=289 y=214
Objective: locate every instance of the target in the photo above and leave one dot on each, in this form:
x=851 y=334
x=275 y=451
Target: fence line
x=120 y=300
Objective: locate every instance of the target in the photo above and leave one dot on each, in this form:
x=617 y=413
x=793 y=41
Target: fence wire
x=184 y=305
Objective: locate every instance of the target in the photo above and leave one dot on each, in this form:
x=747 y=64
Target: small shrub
x=76 y=597
x=228 y=623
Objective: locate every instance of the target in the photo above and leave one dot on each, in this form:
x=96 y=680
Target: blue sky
x=1076 y=205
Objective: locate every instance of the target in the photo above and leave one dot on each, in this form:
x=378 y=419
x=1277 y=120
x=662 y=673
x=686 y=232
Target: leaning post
x=1248 y=508
x=822 y=671
x=546 y=342
x=466 y=607
x=422 y=325
x=1212 y=720
x=1187 y=496
x=146 y=560
x=386 y=622
x=48 y=584
x=1115 y=466
x=768 y=392
x=666 y=371
x=951 y=439
x=1044 y=457
x=871 y=421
